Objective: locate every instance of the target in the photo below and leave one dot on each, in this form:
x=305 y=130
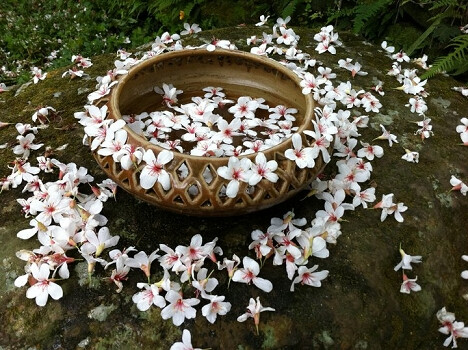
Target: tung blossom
x=248 y=274
x=154 y=169
x=409 y=285
x=458 y=185
x=43 y=286
x=253 y=311
x=450 y=327
x=309 y=277
x=179 y=308
x=236 y=171
x=406 y=261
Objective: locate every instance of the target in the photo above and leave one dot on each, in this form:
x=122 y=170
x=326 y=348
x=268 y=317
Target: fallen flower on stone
x=248 y=274
x=409 y=285
x=253 y=310
x=179 y=308
x=406 y=261
x=387 y=136
x=462 y=129
x=410 y=156
x=309 y=277
x=186 y=343
x=464 y=274
x=38 y=75
x=43 y=286
x=148 y=296
x=458 y=185
x=450 y=327
x=217 y=306
x=463 y=90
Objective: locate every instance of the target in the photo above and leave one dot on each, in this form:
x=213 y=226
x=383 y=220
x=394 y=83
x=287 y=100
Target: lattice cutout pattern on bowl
x=196 y=188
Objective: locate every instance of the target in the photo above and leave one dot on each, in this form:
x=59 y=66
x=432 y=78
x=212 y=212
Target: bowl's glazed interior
x=239 y=74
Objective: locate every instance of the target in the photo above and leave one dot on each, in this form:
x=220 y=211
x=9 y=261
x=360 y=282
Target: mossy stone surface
x=358 y=306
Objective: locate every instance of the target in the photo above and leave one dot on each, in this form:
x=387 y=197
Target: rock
x=358 y=306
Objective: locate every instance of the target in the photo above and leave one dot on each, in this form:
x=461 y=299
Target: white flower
x=387 y=136
x=263 y=20
x=149 y=296
x=406 y=261
x=217 y=306
x=43 y=286
x=179 y=308
x=244 y=108
x=263 y=169
x=103 y=90
x=253 y=310
x=154 y=169
x=190 y=29
x=237 y=171
x=186 y=343
x=38 y=75
x=304 y=157
x=410 y=156
x=388 y=49
x=409 y=285
x=462 y=129
x=309 y=277
x=142 y=261
x=26 y=145
x=249 y=274
x=451 y=327
x=458 y=185
x=368 y=151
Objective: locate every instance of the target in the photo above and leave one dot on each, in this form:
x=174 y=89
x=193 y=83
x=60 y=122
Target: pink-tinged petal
x=165 y=157
x=146 y=180
x=251 y=265
x=55 y=291
x=232 y=189
x=263 y=284
x=239 y=276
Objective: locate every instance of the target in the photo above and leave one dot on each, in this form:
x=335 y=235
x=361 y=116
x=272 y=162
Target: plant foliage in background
x=34 y=31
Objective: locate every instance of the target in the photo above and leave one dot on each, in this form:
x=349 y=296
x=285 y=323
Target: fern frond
x=365 y=11
x=289 y=9
x=453 y=61
x=445 y=3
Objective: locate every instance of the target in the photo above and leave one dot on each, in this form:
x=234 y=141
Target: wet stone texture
x=359 y=305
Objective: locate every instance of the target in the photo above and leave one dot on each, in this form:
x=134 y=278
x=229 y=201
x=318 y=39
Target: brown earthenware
x=240 y=74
